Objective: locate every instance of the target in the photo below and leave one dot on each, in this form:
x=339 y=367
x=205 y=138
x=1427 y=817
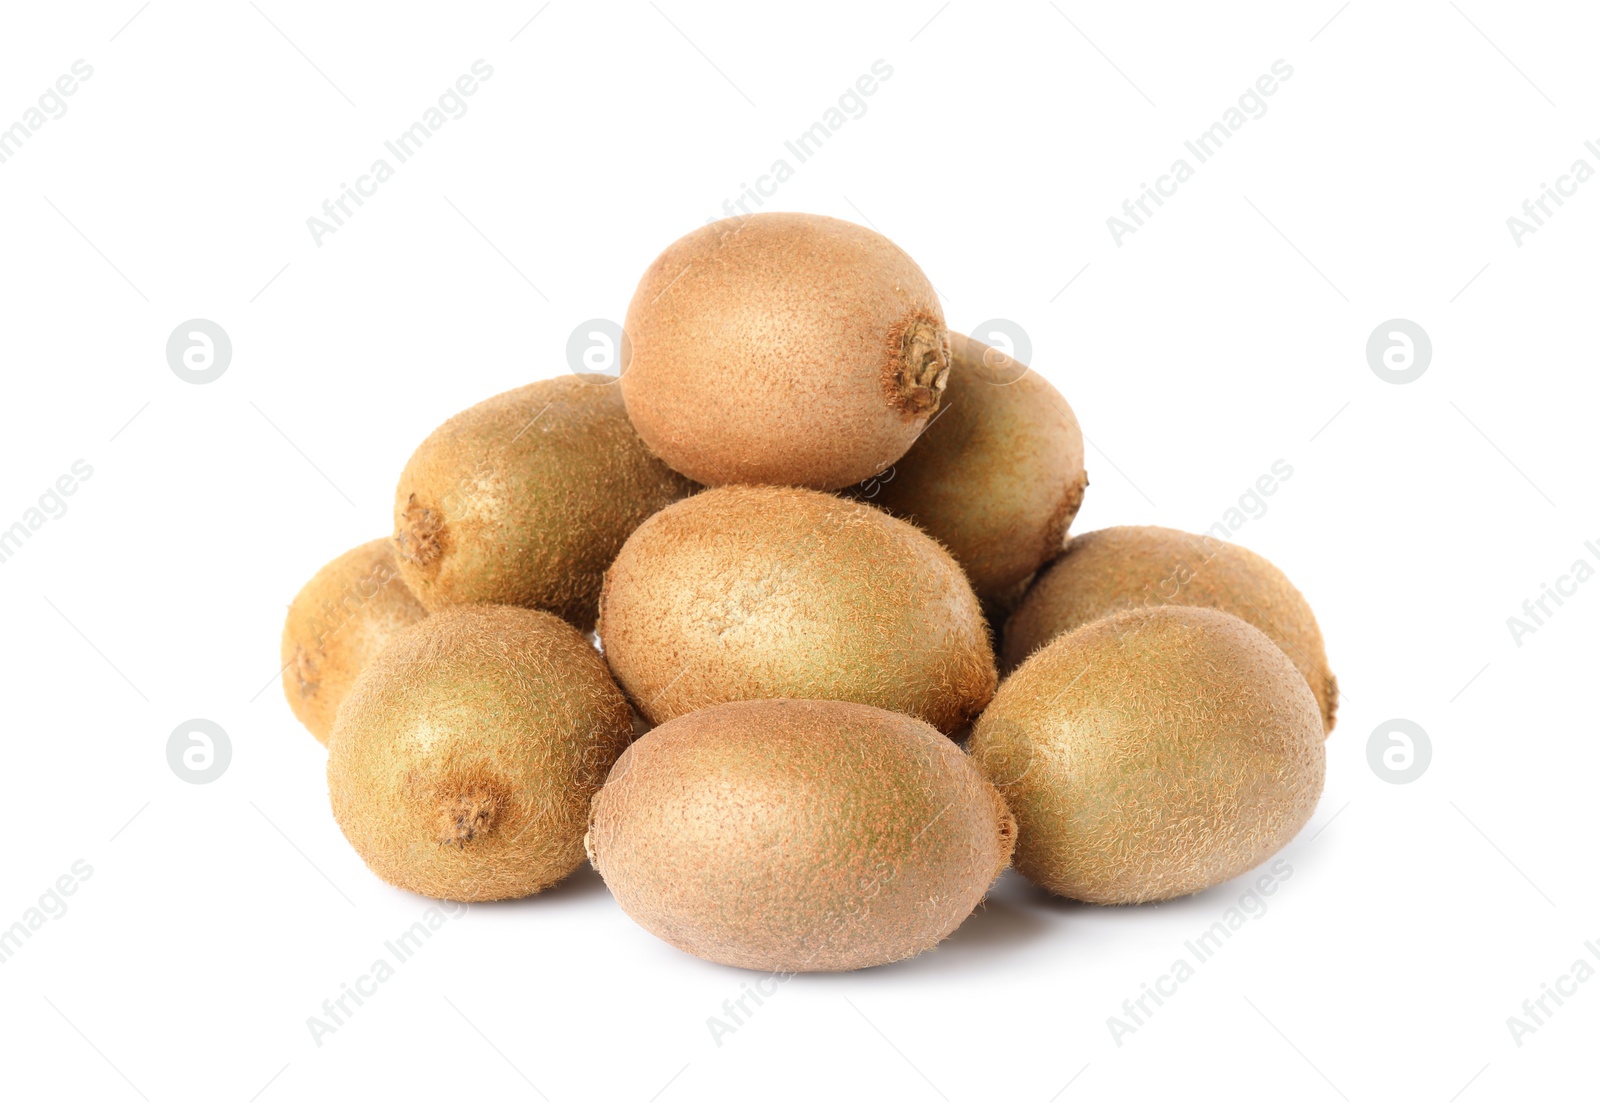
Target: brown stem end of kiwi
x=467 y=815
x=918 y=364
x=420 y=538
x=305 y=672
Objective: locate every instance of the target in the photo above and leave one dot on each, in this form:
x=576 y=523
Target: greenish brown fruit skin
x=798 y=835
x=997 y=476
x=1132 y=566
x=748 y=592
x=464 y=758
x=348 y=612
x=783 y=348
x=1152 y=754
x=524 y=499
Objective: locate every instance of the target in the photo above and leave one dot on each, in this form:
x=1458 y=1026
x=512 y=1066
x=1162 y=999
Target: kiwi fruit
x=465 y=756
x=1152 y=753
x=343 y=617
x=1131 y=566
x=798 y=835
x=998 y=475
x=783 y=348
x=524 y=499
x=749 y=592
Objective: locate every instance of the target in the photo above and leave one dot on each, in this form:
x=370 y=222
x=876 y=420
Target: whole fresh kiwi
x=465 y=756
x=1152 y=754
x=1133 y=566
x=798 y=835
x=343 y=617
x=741 y=593
x=524 y=499
x=998 y=474
x=783 y=348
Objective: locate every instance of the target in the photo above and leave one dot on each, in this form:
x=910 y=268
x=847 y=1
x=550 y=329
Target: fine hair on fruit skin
x=997 y=476
x=798 y=835
x=464 y=758
x=1152 y=754
x=783 y=348
x=351 y=608
x=1136 y=566
x=525 y=498
x=750 y=592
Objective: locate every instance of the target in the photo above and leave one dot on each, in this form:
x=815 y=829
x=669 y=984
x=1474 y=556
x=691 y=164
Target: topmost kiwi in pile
x=784 y=348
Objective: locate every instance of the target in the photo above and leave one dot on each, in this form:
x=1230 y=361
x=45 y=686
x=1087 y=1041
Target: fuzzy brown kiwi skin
x=464 y=758
x=793 y=835
x=343 y=617
x=1131 y=566
x=783 y=348
x=525 y=498
x=998 y=475
x=749 y=592
x=1152 y=754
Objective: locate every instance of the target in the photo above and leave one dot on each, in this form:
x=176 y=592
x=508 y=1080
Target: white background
x=1227 y=333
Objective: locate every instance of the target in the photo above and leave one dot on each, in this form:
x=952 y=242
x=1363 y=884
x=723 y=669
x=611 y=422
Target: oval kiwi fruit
x=343 y=617
x=1152 y=754
x=524 y=499
x=798 y=835
x=1132 y=566
x=463 y=761
x=783 y=348
x=749 y=592
x=998 y=475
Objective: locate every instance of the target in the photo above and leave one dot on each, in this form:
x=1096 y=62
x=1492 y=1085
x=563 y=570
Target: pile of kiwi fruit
x=656 y=621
